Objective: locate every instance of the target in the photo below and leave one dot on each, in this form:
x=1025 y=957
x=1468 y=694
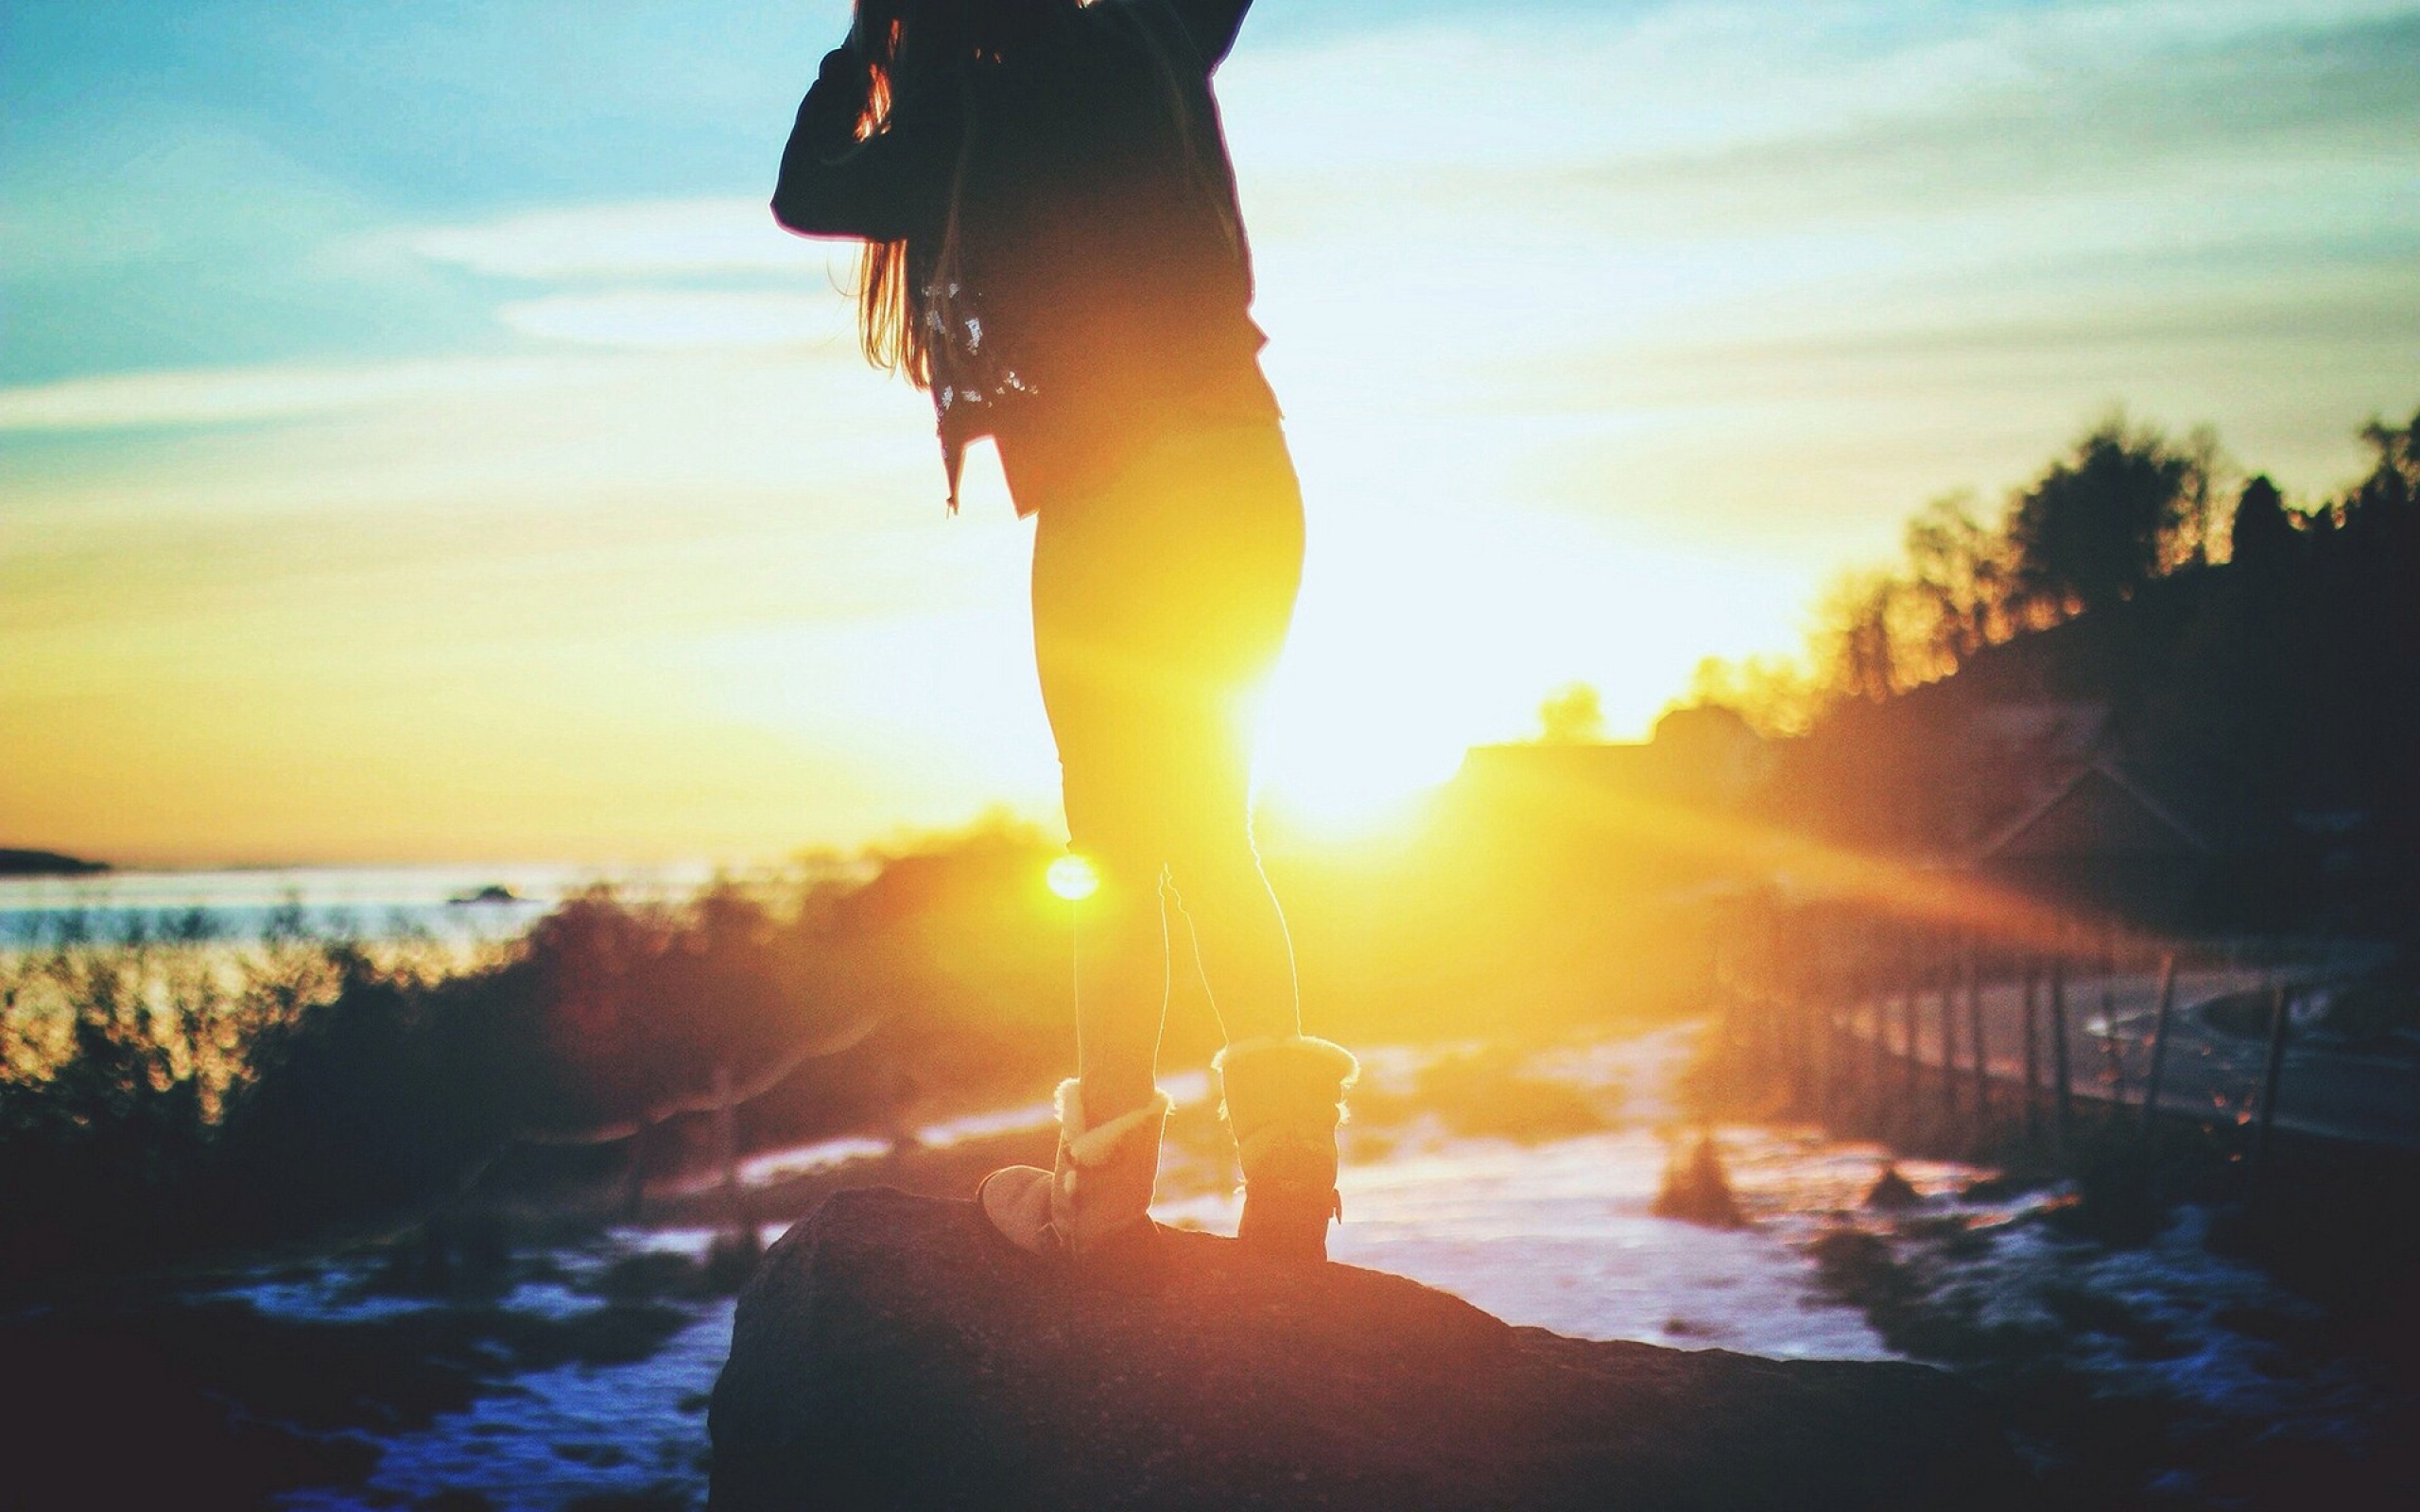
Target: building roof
x=2098 y=809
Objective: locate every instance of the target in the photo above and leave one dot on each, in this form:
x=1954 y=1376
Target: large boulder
x=892 y=1352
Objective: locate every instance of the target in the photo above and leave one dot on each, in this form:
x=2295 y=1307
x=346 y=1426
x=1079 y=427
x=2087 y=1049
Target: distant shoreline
x=47 y=864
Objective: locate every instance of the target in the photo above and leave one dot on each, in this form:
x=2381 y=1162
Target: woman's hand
x=881 y=188
x=846 y=77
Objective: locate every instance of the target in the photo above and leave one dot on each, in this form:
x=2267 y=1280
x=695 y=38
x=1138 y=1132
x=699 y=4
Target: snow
x=1555 y=1233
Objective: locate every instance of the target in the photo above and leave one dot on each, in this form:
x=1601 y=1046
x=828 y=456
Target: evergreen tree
x=2099 y=524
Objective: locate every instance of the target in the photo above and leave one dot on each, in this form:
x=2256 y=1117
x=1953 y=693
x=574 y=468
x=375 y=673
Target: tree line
x=2125 y=506
x=164 y=1090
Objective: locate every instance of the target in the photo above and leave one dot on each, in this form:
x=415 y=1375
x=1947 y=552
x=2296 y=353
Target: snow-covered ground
x=1554 y=1231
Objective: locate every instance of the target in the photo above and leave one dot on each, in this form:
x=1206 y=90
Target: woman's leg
x=1238 y=935
x=1121 y=988
x=1093 y=1206
x=1086 y=644
x=1159 y=606
x=1247 y=576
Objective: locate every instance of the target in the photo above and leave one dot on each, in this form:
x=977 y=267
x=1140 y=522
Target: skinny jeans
x=1161 y=601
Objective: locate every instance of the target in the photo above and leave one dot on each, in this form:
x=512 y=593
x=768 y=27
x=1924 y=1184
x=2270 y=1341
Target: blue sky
x=414 y=439
x=174 y=169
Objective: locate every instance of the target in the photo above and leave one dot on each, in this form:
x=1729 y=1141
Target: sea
x=456 y=904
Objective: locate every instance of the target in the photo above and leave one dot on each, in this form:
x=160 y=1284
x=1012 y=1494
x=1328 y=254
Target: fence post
x=1835 y=1092
x=1811 y=1016
x=735 y=1193
x=2272 y=1071
x=1878 y=1090
x=1974 y=1041
x=1948 y=1006
x=2109 y=1050
x=1791 y=984
x=1909 y=1109
x=2062 y=1084
x=2033 y=1051
x=2159 y=1041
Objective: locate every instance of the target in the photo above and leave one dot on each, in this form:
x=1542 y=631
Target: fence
x=1959 y=1043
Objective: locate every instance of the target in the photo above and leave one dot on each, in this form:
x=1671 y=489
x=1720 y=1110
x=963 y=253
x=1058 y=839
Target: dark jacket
x=1104 y=282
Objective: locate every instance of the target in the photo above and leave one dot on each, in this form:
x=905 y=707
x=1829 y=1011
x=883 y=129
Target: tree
x=2103 y=523
x=1775 y=694
x=1858 y=651
x=1958 y=584
x=2194 y=540
x=2263 y=537
x=2398 y=448
x=1571 y=716
x=2381 y=516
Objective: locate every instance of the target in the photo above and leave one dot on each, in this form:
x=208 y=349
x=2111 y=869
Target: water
x=370 y=902
x=550 y=1435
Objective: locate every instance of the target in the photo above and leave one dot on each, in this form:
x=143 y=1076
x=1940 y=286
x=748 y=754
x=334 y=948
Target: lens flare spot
x=1072 y=878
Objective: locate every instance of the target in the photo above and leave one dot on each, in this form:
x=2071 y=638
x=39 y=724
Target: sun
x=1431 y=621
x=1352 y=765
x=1367 y=709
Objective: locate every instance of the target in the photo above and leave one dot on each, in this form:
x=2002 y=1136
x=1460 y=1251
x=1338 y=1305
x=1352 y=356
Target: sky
x=417 y=442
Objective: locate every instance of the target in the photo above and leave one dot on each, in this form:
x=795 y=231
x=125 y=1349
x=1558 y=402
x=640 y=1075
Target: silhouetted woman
x=1054 y=250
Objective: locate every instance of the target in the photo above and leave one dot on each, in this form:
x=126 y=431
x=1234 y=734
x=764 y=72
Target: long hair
x=915 y=49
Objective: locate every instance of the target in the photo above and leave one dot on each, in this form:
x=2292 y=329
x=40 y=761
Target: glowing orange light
x=1073 y=877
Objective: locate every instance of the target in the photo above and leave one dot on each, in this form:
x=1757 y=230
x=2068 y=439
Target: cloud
x=641 y=239
x=217 y=396
x=656 y=319
x=1674 y=209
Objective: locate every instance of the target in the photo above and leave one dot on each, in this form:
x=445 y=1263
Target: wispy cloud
x=653 y=238
x=1658 y=218
x=687 y=318
x=219 y=396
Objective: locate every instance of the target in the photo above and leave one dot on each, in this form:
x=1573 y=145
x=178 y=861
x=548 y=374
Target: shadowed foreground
x=891 y=1352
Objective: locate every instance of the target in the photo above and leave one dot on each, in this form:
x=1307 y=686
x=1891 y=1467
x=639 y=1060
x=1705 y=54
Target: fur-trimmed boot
x=1283 y=1097
x=1095 y=1208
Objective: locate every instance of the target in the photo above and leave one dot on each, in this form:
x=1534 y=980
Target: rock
x=892 y=1352
x=1892 y=1193
x=1697 y=1191
x=19 y=863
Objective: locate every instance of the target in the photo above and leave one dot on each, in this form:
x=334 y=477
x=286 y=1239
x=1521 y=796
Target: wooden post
x=2062 y=1085
x=1948 y=1005
x=1810 y=1025
x=2109 y=1021
x=1791 y=984
x=735 y=1193
x=1835 y=999
x=2032 y=1053
x=1879 y=1063
x=1810 y=1031
x=1828 y=1026
x=2159 y=1041
x=1839 y=1067
x=1907 y=1047
x=2280 y=1003
x=1974 y=1043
